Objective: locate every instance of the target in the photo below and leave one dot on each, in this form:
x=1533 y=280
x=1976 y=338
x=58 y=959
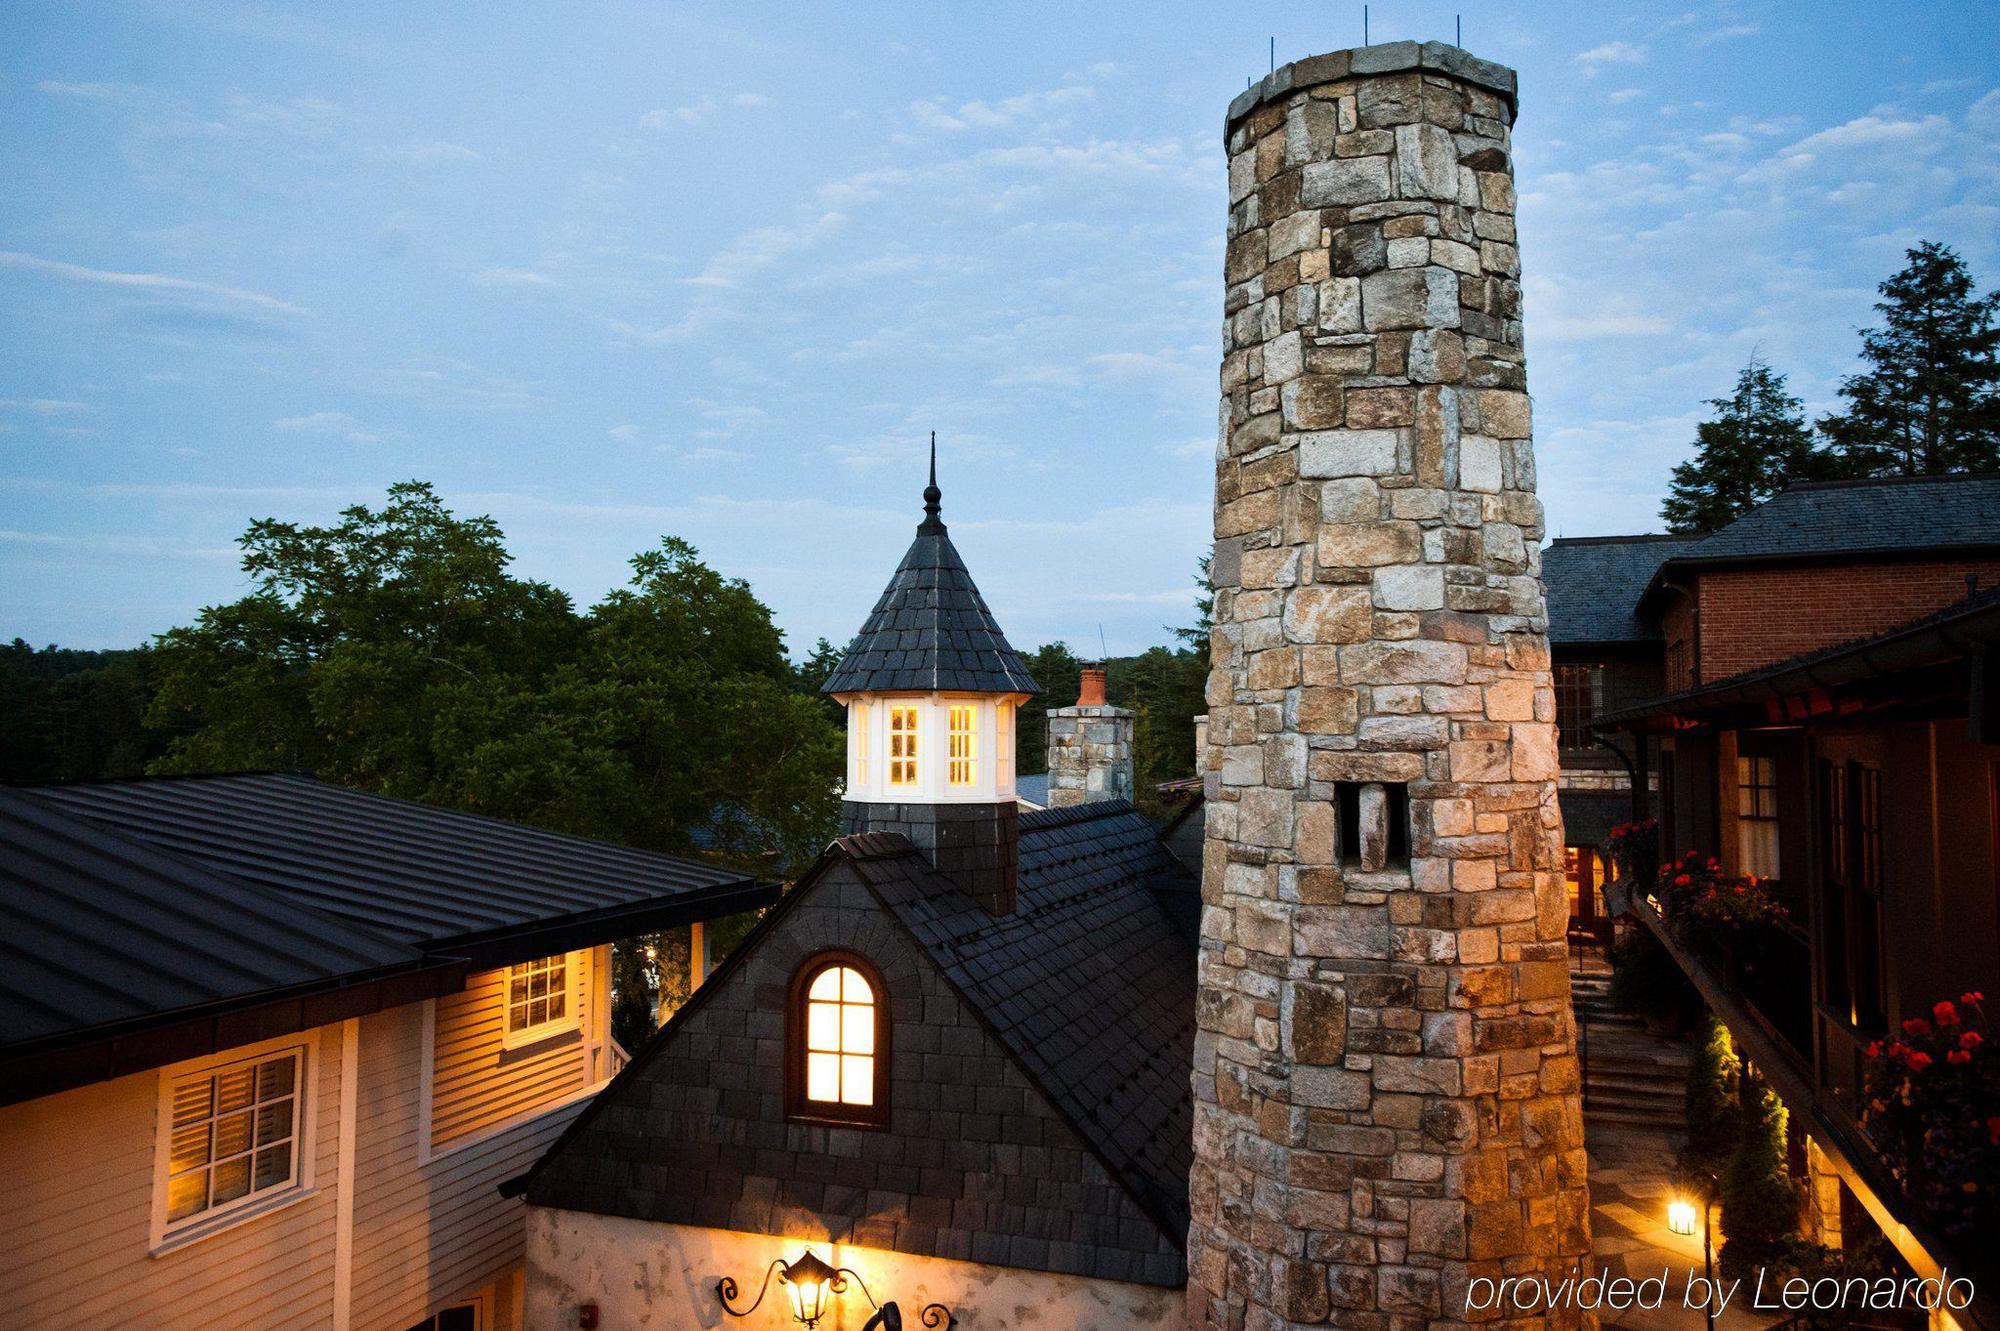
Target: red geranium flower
x=1958 y=1056
x=1970 y=1040
x=1874 y=1049
x=1916 y=1026
x=1682 y=880
x=1919 y=1061
x=1972 y=996
x=1946 y=1014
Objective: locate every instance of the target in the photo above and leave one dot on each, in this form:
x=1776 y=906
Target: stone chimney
x=1090 y=746
x=1385 y=1071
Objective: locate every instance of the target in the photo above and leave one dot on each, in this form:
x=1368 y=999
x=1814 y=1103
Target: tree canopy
x=1929 y=399
x=395 y=651
x=1756 y=443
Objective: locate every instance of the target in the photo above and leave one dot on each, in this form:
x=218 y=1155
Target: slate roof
x=1090 y=983
x=1594 y=584
x=931 y=629
x=1033 y=789
x=1089 y=986
x=97 y=929
x=436 y=879
x=1904 y=513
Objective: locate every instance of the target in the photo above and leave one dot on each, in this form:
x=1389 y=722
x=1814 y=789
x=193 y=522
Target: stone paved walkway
x=1630 y=1169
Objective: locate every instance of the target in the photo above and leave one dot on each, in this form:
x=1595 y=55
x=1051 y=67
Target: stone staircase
x=1629 y=1076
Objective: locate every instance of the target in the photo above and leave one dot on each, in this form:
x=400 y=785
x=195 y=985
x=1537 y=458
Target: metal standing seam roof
x=424 y=876
x=931 y=629
x=97 y=929
x=1089 y=982
x=1594 y=584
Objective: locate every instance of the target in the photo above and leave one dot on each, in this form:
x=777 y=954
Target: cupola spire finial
x=932 y=495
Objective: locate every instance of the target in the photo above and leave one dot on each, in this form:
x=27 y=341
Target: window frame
x=572 y=1018
x=165 y=1235
x=1580 y=699
x=961 y=744
x=911 y=760
x=800 y=1109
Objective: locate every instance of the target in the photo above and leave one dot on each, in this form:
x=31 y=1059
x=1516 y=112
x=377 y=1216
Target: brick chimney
x=1090 y=746
x=1385 y=1077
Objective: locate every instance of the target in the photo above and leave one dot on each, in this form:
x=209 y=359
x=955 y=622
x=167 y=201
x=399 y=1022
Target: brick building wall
x=1758 y=616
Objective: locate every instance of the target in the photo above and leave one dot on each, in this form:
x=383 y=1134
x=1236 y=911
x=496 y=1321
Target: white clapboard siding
x=429 y=1233
x=76 y=1202
x=477 y=1083
x=76 y=1193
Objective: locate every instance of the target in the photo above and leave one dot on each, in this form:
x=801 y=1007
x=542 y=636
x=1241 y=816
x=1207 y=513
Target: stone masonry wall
x=1090 y=755
x=1385 y=1075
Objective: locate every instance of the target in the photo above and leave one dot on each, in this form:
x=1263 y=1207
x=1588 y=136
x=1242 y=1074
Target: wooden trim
x=426 y=1078
x=163 y=1238
x=343 y=1202
x=797 y=1107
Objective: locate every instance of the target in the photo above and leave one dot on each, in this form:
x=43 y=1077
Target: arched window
x=837 y=1042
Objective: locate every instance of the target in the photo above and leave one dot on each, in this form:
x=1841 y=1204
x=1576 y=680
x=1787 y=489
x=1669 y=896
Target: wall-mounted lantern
x=811 y=1284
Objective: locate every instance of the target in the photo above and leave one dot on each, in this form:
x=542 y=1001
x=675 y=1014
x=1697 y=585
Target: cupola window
x=838 y=1038
x=860 y=736
x=964 y=768
x=902 y=745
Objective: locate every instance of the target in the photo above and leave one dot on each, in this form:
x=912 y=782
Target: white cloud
x=512 y=277
x=426 y=153
x=1624 y=95
x=700 y=111
x=624 y=434
x=149 y=281
x=1611 y=53
x=329 y=423
x=1729 y=33
x=44 y=406
x=937 y=113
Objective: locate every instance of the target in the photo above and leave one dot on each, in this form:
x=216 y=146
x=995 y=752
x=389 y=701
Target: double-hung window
x=539 y=1000
x=902 y=745
x=963 y=769
x=1757 y=814
x=234 y=1131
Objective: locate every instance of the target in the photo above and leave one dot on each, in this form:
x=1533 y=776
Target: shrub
x=1933 y=1110
x=1760 y=1204
x=1714 y=1099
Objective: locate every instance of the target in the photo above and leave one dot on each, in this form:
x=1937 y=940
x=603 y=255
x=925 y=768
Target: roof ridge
x=1859 y=482
x=1067 y=814
x=1627 y=540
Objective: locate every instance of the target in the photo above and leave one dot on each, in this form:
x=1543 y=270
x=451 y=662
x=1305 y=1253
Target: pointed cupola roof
x=931 y=630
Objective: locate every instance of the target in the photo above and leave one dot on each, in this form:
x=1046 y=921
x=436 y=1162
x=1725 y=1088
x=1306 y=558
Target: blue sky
x=714 y=270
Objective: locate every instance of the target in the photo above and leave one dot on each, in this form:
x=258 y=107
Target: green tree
x=69 y=715
x=1755 y=445
x=1195 y=635
x=1714 y=1097
x=811 y=674
x=394 y=651
x=1057 y=669
x=1165 y=690
x=1929 y=401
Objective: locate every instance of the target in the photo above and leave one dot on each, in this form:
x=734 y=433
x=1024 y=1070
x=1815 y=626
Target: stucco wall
x=643 y=1274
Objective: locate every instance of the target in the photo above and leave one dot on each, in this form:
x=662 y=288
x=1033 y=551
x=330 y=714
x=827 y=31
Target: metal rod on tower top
x=1274 y=55
x=1364 y=25
x=1458 y=20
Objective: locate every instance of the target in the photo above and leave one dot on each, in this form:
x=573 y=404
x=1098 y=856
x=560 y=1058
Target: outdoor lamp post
x=811 y=1283
x=1681 y=1217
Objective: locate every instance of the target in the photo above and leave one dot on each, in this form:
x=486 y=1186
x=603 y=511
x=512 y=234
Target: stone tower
x=1385 y=1081
x=931 y=689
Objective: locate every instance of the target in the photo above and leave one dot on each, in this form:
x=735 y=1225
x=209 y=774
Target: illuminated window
x=233 y=1136
x=964 y=768
x=860 y=738
x=539 y=1003
x=1757 y=807
x=1003 y=755
x=902 y=746
x=839 y=1037
x=1579 y=700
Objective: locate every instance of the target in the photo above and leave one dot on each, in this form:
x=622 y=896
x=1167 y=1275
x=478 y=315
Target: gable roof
x=1593 y=585
x=97 y=930
x=931 y=629
x=436 y=879
x=1088 y=986
x=1088 y=982
x=1879 y=516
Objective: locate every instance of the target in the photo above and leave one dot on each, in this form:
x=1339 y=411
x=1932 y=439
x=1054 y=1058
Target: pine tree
x=1929 y=401
x=1756 y=444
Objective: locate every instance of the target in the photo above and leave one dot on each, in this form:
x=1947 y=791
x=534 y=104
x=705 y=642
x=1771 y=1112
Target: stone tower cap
x=1387 y=58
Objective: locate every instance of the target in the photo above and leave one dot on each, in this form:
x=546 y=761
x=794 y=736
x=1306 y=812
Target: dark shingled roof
x=97 y=929
x=1089 y=987
x=1594 y=584
x=1090 y=983
x=1904 y=513
x=433 y=878
x=931 y=630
